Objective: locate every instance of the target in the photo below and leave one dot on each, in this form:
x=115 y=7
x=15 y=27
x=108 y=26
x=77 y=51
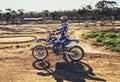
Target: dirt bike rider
x=63 y=32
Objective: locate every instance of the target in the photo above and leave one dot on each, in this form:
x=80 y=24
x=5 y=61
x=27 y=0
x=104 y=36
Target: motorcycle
x=74 y=52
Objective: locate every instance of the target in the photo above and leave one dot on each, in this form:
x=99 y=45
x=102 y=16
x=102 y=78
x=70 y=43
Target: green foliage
x=92 y=34
x=100 y=38
x=117 y=49
x=110 y=39
x=110 y=42
x=110 y=35
x=118 y=35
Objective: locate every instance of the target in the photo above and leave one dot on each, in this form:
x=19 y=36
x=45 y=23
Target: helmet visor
x=63 y=20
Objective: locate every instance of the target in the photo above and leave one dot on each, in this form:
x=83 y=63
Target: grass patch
x=109 y=39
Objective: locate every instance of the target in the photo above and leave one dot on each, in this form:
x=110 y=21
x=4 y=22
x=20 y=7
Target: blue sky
x=40 y=5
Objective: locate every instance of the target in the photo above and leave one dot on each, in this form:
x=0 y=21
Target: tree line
x=103 y=10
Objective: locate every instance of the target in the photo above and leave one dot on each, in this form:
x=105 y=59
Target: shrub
x=110 y=35
x=118 y=35
x=92 y=34
x=109 y=43
x=117 y=49
x=100 y=38
x=111 y=40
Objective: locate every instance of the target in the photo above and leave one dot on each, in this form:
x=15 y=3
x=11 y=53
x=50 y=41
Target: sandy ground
x=98 y=65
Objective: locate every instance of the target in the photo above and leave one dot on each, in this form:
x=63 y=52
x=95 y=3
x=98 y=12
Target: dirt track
x=102 y=65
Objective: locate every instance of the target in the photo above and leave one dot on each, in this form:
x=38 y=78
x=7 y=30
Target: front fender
x=40 y=40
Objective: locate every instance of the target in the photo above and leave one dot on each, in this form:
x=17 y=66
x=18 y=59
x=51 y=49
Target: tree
x=46 y=14
x=20 y=14
x=8 y=10
x=0 y=14
x=14 y=16
x=105 y=9
x=8 y=15
x=85 y=13
x=53 y=15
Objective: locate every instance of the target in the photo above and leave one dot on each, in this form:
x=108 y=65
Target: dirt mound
x=18 y=39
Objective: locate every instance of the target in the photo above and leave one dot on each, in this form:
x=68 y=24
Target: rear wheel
x=81 y=67
x=77 y=53
x=39 y=52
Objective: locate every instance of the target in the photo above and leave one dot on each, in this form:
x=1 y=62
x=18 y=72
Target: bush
x=109 y=43
x=111 y=40
x=100 y=38
x=110 y=35
x=117 y=49
x=118 y=35
x=92 y=34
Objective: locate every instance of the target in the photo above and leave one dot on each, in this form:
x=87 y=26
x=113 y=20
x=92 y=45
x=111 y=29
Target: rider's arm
x=61 y=30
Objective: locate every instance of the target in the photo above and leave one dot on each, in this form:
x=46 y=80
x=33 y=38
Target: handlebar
x=53 y=31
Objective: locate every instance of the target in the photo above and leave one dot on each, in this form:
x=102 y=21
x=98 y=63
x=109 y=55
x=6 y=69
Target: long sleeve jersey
x=63 y=31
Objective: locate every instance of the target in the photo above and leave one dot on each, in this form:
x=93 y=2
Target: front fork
x=67 y=51
x=43 y=47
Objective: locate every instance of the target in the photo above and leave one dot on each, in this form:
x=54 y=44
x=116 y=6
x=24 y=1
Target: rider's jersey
x=63 y=31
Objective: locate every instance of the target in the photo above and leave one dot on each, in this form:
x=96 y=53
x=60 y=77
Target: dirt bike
x=74 y=52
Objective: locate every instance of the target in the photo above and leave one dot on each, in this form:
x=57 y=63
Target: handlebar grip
x=53 y=30
x=57 y=29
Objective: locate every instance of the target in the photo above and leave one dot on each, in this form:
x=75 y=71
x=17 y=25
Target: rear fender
x=72 y=42
x=75 y=40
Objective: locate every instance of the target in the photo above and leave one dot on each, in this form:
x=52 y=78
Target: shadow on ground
x=74 y=71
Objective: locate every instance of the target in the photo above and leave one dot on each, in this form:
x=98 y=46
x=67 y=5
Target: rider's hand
x=54 y=31
x=57 y=29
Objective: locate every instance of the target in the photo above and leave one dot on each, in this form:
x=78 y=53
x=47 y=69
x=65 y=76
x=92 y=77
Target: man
x=63 y=34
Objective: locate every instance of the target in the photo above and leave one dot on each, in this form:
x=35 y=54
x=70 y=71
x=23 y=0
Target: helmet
x=63 y=19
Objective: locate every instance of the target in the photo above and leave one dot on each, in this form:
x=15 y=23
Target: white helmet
x=64 y=18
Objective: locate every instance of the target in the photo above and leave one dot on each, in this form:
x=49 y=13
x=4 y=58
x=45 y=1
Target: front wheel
x=77 y=53
x=41 y=65
x=39 y=52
